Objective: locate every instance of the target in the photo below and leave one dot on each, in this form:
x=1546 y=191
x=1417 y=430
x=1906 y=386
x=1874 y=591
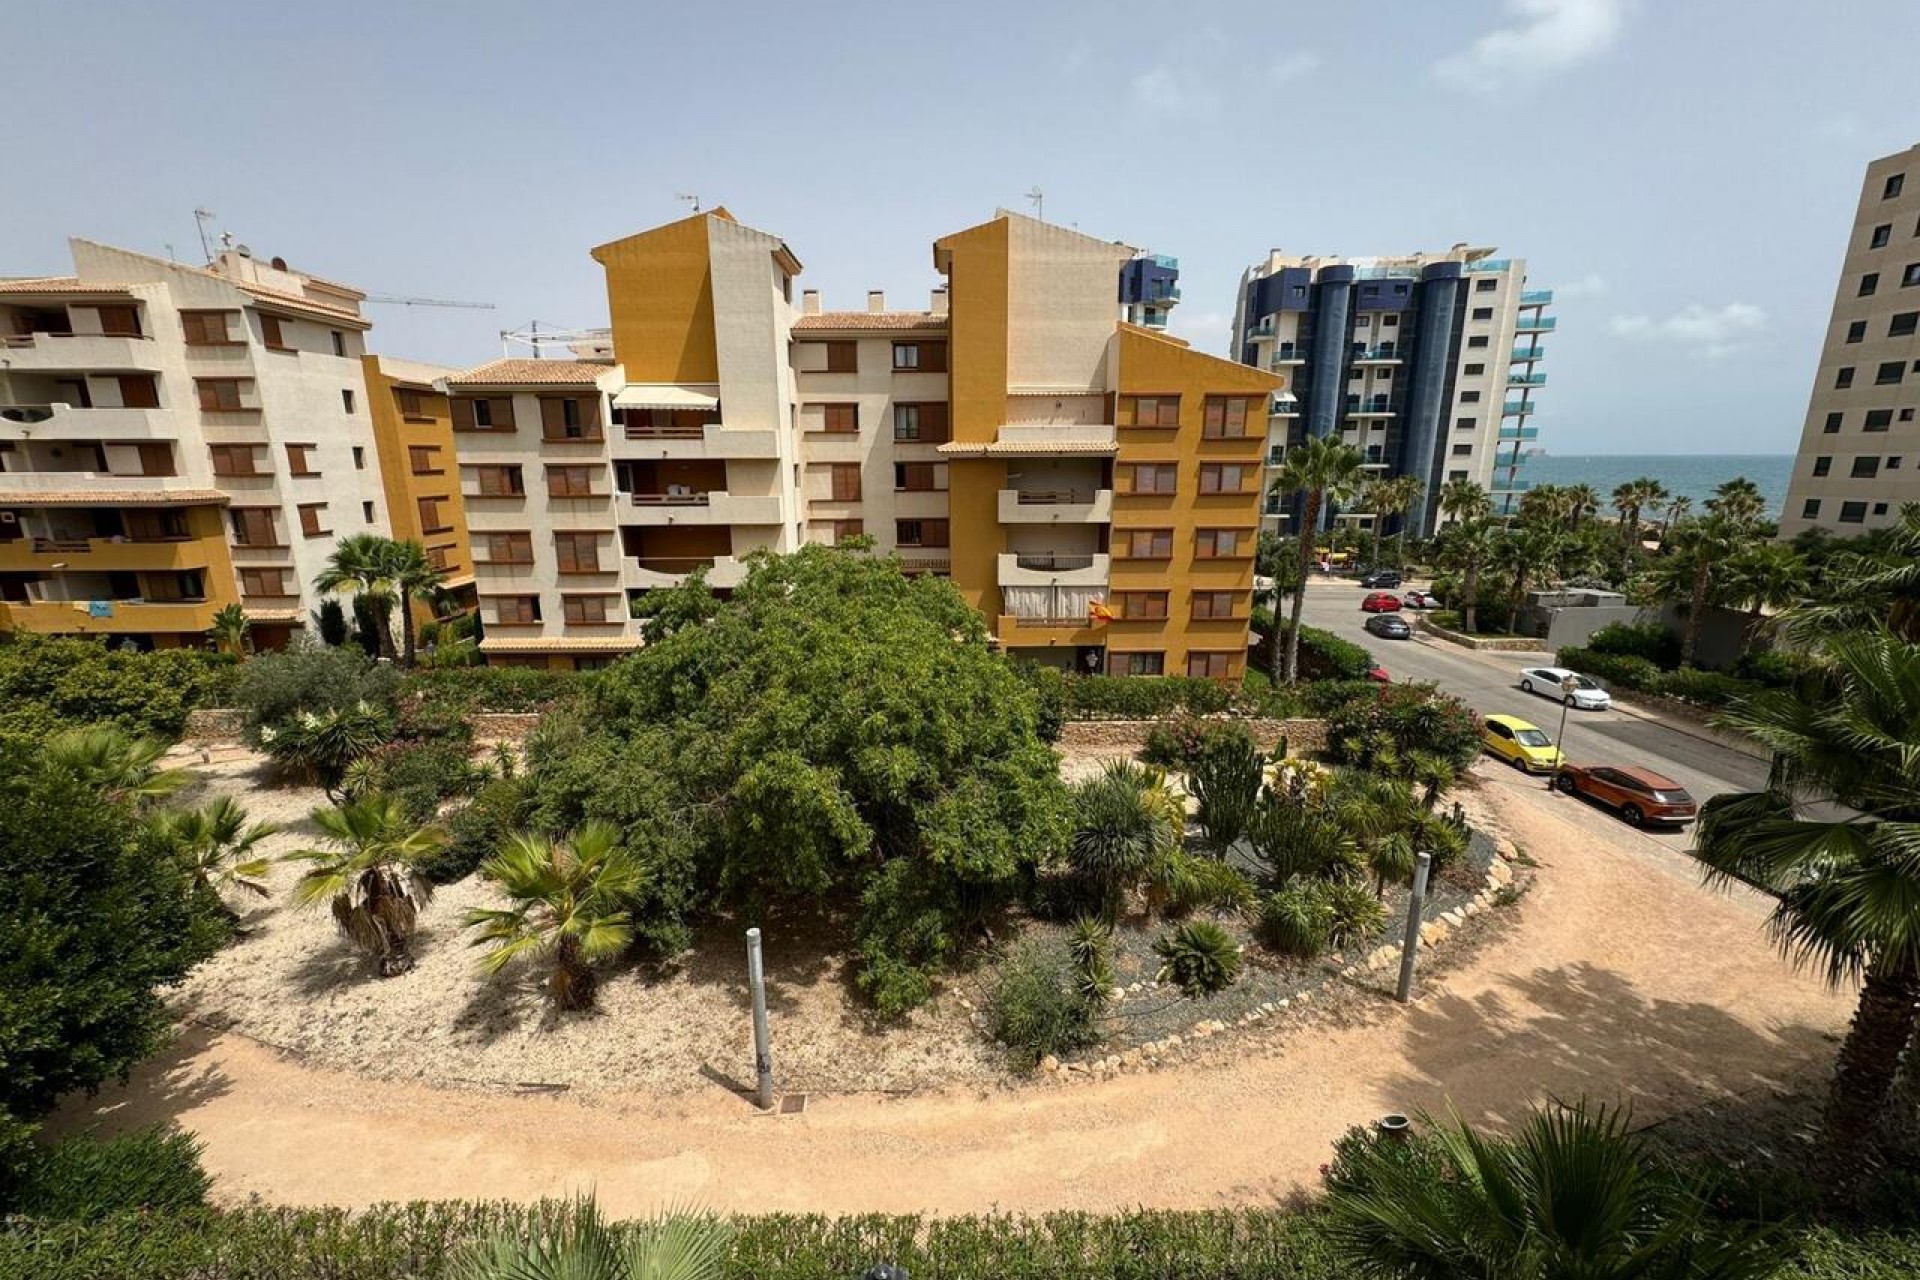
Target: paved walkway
x=1619 y=978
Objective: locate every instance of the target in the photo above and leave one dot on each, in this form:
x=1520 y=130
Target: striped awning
x=667 y=395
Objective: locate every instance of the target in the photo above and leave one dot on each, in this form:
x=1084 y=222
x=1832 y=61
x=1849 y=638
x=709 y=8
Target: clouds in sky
x=1715 y=330
x=1590 y=285
x=1187 y=85
x=1540 y=38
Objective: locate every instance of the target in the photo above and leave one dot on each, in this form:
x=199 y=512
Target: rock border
x=1495 y=644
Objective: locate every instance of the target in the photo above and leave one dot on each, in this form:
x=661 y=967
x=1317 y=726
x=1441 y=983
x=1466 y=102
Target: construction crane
x=399 y=301
x=580 y=342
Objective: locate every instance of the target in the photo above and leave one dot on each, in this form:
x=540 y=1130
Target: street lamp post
x=1567 y=687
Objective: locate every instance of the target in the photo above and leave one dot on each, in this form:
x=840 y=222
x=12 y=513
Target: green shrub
x=1296 y=919
x=50 y=683
x=1704 y=688
x=466 y=691
x=1386 y=727
x=1621 y=671
x=1124 y=825
x=321 y=746
x=423 y=776
x=1185 y=740
x=477 y=829
x=154 y=1170
x=1142 y=697
x=1199 y=957
x=1775 y=668
x=1647 y=640
x=1323 y=655
x=1225 y=782
x=1264 y=699
x=1038 y=1005
x=1184 y=883
x=272 y=688
x=1354 y=915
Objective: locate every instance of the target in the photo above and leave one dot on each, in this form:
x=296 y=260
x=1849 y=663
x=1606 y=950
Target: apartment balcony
x=717 y=506
x=1262 y=330
x=1491 y=264
x=108 y=617
x=1510 y=486
x=1056 y=506
x=1385 y=354
x=711 y=441
x=1536 y=297
x=1526 y=379
x=102 y=555
x=1154 y=320
x=1515 y=408
x=1284 y=405
x=70 y=422
x=1053 y=569
x=1523 y=354
x=654 y=572
x=1376 y=407
x=1287 y=353
x=1534 y=324
x=1017 y=632
x=26 y=484
x=78 y=353
x=1519 y=433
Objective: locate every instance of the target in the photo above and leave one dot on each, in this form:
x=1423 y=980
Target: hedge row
x=50 y=683
x=1625 y=671
x=417 y=1242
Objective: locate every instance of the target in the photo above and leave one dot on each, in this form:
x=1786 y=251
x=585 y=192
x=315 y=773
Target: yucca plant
x=114 y=762
x=370 y=875
x=1353 y=914
x=1120 y=836
x=579 y=1245
x=1226 y=784
x=216 y=844
x=324 y=745
x=1090 y=947
x=570 y=902
x=1296 y=920
x=1199 y=957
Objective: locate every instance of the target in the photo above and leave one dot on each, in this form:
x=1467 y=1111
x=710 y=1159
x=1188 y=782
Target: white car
x=1553 y=682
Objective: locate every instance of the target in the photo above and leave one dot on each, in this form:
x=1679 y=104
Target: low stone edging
x=1504 y=644
x=509 y=726
x=1301 y=735
x=214 y=726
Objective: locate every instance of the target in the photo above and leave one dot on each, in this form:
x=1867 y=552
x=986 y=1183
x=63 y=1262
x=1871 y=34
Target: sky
x=1682 y=172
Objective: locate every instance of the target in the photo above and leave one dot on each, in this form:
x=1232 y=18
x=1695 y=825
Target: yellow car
x=1520 y=744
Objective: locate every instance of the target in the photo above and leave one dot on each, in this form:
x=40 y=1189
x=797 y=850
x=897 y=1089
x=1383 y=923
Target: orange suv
x=1640 y=795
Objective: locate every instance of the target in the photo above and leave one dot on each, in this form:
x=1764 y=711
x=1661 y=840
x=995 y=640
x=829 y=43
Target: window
x=504 y=548
x=1857 y=331
x=119 y=321
x=155 y=459
x=584 y=609
x=300 y=460
x=1146 y=544
x=1879 y=508
x=569 y=418
x=1155 y=477
x=1903 y=324
x=1810 y=509
x=346 y=399
x=1853 y=512
x=412 y=407
x=1865 y=468
x=359 y=458
x=431 y=521
x=842 y=419
x=441 y=558
x=914 y=477
x=920 y=533
x=1878 y=420
x=234 y=460
x=1226 y=418
x=1893 y=462
x=1462 y=450
x=1843 y=379
x=1474 y=370
x=1465 y=424
x=844 y=477
x=1822 y=465
x=218 y=395
x=263 y=582
x=1890 y=371
x=270 y=334
x=843 y=357
x=1140 y=664
x=1893 y=186
x=929 y=357
x=253 y=527
x=1483 y=313
x=339 y=342
x=1910 y=275
x=1222 y=544
x=206 y=328
x=1223 y=477
x=571 y=482
x=500 y=481
x=1149 y=411
x=1906 y=415
x=516 y=611
x=1881 y=234
x=495 y=414
x=577 y=552
x=423 y=460
x=1476 y=343
x=312 y=522
x=366 y=513
x=1141 y=605
x=1868 y=283
x=1209 y=666
x=1456 y=475
x=1486 y=285
x=844 y=529
x=1833 y=423
x=1216 y=604
x=924 y=423
x=1469 y=397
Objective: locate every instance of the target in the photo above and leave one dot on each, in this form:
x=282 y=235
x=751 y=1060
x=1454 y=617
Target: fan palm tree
x=1630 y=500
x=1739 y=501
x=1692 y=567
x=216 y=844
x=1465 y=500
x=578 y=1245
x=1766 y=575
x=230 y=630
x=370 y=875
x=1468 y=547
x=1578 y=502
x=411 y=574
x=1529 y=553
x=362 y=564
x=1867 y=589
x=114 y=762
x=1677 y=509
x=1848 y=888
x=1325 y=470
x=569 y=903
x=1573 y=1193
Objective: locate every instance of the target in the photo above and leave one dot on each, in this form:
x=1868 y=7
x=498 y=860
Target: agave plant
x=370 y=875
x=215 y=843
x=1199 y=957
x=116 y=763
x=577 y=1244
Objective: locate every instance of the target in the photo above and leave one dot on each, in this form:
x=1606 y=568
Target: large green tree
x=1324 y=470
x=362 y=565
x=1468 y=547
x=1867 y=587
x=1631 y=500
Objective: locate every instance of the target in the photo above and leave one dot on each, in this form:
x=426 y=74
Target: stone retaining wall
x=1504 y=644
x=212 y=725
x=1131 y=735
x=495 y=726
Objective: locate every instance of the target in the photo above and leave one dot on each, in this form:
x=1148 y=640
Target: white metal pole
x=1410 y=943
x=762 y=1050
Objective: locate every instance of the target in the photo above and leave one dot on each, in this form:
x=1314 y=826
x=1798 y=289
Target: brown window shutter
x=553 y=420
x=194 y=325
x=137 y=391
x=933 y=422
x=120 y=322
x=156 y=459
x=270 y=331
x=933 y=533
x=846 y=482
x=503 y=413
x=462 y=413
x=843 y=357
x=933 y=357
x=590 y=412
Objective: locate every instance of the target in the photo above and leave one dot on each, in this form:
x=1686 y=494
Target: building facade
x=175 y=439
x=1429 y=365
x=1859 y=456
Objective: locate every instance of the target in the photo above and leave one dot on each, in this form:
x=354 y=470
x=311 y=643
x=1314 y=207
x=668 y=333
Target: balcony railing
x=1511 y=486
x=1536 y=297
x=1053 y=497
x=1374 y=405
x=1529 y=353
x=1052 y=561
x=1526 y=379
x=1491 y=264
x=1534 y=324
x=636 y=431
x=1519 y=433
x=1020 y=620
x=1513 y=408
x=1288 y=353
x=1385 y=351
x=911 y=563
x=1262 y=330
x=669 y=499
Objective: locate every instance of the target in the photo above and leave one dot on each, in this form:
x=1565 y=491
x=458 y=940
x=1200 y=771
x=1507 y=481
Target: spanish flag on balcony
x=1098 y=615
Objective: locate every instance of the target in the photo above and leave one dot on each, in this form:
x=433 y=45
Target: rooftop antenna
x=693 y=201
x=1035 y=197
x=201 y=217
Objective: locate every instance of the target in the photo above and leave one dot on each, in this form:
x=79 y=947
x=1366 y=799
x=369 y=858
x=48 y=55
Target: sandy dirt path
x=1618 y=978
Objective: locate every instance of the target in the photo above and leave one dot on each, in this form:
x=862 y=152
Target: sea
x=1694 y=474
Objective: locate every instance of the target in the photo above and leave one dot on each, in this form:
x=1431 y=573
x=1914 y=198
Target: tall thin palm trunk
x=1470 y=598
x=1630 y=535
x=406 y=627
x=1309 y=517
x=1883 y=1023
x=1696 y=612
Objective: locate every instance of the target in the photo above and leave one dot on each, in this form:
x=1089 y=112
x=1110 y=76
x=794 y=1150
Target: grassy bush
x=1386 y=726
x=1296 y=920
x=478 y=829
x=1323 y=655
x=1626 y=671
x=1185 y=741
x=1199 y=957
x=464 y=691
x=1354 y=915
x=1037 y=1006
x=153 y=1170
x=48 y=684
x=423 y=776
x=1621 y=670
x=1648 y=640
x=274 y=687
x=1774 y=668
x=1704 y=688
x=1143 y=697
x=1225 y=782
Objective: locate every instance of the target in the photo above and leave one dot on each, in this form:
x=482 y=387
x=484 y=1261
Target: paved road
x=1490 y=683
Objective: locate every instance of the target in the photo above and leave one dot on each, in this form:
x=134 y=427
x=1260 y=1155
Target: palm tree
x=116 y=763
x=1125 y=827
x=1676 y=509
x=1465 y=500
x=1399 y=496
x=1846 y=887
x=370 y=874
x=578 y=1245
x=411 y=574
x=362 y=564
x=1579 y=501
x=1380 y=813
x=569 y=902
x=1686 y=568
x=1573 y=1193
x=215 y=844
x=230 y=630
x=1325 y=470
x=1740 y=501
x=1528 y=550
x=1766 y=575
x=1867 y=589
x=1630 y=499
x=1468 y=547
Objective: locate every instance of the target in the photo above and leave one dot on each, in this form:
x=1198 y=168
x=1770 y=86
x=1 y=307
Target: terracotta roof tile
x=296 y=302
x=560 y=644
x=872 y=320
x=532 y=373
x=57 y=284
x=116 y=498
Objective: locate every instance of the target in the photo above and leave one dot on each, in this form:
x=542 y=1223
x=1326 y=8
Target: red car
x=1381 y=602
x=1639 y=795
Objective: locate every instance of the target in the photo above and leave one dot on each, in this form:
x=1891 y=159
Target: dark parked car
x=1640 y=795
x=1389 y=626
x=1381 y=578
